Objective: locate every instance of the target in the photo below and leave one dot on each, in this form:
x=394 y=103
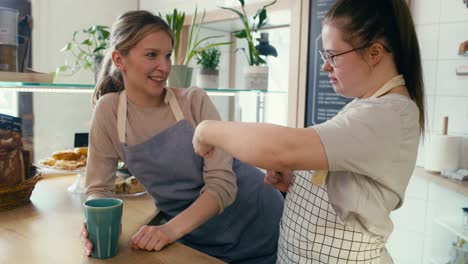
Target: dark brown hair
x=389 y=21
x=127 y=31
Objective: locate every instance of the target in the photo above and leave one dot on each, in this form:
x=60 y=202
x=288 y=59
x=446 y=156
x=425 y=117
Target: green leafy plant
x=176 y=21
x=259 y=20
x=209 y=58
x=87 y=47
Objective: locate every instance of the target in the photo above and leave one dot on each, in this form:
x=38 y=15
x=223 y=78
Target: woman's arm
x=267 y=146
x=102 y=155
x=102 y=162
x=157 y=237
x=219 y=191
x=218 y=175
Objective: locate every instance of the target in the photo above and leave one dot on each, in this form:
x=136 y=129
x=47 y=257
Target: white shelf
x=454 y=227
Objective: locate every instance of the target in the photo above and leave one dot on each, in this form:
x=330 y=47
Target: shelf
x=454 y=226
x=451 y=184
x=89 y=88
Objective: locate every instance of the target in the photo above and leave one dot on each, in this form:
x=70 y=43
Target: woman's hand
x=202 y=148
x=153 y=237
x=279 y=180
x=87 y=244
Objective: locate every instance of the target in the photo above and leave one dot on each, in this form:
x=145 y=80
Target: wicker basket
x=20 y=194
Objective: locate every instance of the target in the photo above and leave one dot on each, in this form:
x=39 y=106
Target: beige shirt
x=142 y=124
x=371 y=149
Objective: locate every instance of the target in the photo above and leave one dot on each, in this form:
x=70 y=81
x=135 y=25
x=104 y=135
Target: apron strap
x=393 y=83
x=319 y=177
x=175 y=107
x=122 y=116
x=122 y=111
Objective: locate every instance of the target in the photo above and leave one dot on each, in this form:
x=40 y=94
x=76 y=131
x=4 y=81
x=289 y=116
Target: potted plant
x=181 y=74
x=256 y=76
x=208 y=59
x=87 y=47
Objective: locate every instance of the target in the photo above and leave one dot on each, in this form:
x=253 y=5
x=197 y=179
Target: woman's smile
x=158 y=80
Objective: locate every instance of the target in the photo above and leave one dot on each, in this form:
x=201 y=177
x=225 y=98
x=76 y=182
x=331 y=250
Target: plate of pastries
x=73 y=160
x=128 y=187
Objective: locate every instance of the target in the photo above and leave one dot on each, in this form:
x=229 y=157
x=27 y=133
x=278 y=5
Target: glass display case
x=55 y=112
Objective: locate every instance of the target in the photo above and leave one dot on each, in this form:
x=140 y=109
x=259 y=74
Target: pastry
x=67 y=164
x=65 y=155
x=68 y=159
x=128 y=186
x=133 y=185
x=49 y=162
x=119 y=186
x=82 y=151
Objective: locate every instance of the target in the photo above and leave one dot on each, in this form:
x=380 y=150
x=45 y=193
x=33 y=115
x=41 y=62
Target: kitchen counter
x=47 y=230
x=451 y=184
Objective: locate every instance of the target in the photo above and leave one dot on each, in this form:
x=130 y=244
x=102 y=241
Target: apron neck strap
x=122 y=111
x=391 y=84
x=122 y=116
x=175 y=107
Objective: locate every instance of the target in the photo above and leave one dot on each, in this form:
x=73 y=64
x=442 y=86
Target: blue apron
x=246 y=232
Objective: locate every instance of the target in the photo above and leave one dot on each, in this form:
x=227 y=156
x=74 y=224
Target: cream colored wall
x=57 y=116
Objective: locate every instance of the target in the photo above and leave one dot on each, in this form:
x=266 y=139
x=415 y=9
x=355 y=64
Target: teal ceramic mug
x=103 y=219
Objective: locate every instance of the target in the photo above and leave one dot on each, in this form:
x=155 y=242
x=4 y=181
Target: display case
x=56 y=112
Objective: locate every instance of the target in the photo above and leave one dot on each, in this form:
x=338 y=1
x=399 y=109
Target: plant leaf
x=262 y=18
x=87 y=42
x=96 y=50
x=241 y=34
x=233 y=10
x=87 y=65
x=67 y=47
x=62 y=68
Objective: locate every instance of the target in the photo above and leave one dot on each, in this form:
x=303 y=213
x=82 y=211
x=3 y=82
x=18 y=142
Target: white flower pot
x=256 y=77
x=208 y=78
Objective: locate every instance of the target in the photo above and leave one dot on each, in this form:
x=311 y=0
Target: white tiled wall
x=441 y=26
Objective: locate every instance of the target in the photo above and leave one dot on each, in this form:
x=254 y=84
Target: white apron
x=311 y=231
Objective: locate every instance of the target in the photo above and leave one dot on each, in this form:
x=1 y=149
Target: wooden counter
x=435 y=177
x=47 y=230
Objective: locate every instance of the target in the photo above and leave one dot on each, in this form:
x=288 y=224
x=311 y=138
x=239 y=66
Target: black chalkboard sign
x=322 y=102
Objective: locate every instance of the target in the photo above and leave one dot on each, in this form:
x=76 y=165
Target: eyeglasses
x=326 y=56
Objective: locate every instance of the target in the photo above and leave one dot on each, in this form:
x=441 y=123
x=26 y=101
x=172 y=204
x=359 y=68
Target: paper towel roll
x=443 y=153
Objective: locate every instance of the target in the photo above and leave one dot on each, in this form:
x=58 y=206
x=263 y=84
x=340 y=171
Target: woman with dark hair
x=356 y=166
x=219 y=206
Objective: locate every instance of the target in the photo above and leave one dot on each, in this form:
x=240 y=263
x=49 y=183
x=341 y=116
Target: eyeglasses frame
x=331 y=58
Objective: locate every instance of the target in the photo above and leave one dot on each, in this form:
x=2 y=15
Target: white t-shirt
x=371 y=147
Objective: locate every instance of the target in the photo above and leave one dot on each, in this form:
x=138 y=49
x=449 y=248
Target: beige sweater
x=142 y=124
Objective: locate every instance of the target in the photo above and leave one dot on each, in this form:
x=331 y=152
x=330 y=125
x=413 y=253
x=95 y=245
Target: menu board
x=322 y=103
